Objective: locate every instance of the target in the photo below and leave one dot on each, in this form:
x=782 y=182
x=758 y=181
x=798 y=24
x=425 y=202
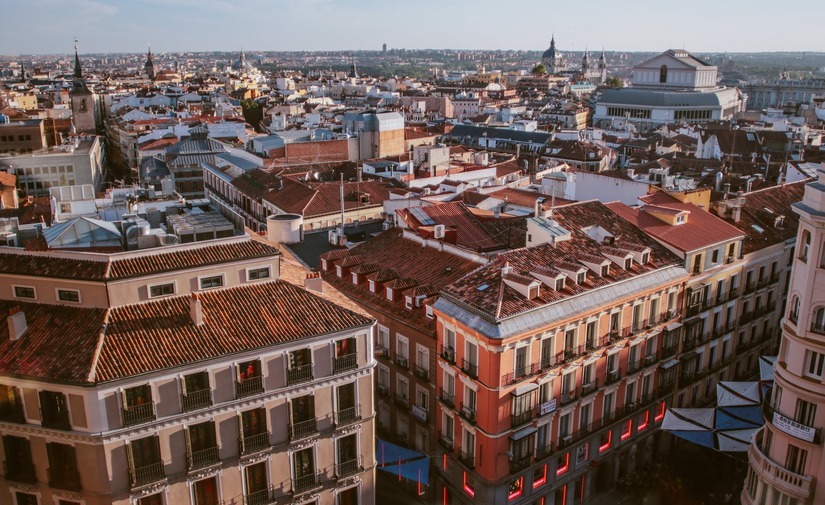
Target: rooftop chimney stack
x=17 y=323
x=195 y=309
x=313 y=282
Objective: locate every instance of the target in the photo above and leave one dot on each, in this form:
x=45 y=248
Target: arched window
x=818 y=322
x=663 y=74
x=793 y=315
x=805 y=245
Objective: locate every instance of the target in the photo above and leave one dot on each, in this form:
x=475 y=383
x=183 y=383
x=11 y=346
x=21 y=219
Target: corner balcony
x=793 y=484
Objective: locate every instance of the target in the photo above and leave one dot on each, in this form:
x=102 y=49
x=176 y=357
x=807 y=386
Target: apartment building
x=550 y=373
x=785 y=457
x=397 y=280
x=182 y=375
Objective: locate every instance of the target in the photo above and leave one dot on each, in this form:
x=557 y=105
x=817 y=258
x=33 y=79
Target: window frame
x=149 y=288
x=201 y=278
x=57 y=295
x=266 y=268
x=14 y=288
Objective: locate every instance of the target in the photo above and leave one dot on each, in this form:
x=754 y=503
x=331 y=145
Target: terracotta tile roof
x=127 y=265
x=62 y=342
x=470 y=233
x=484 y=291
x=430 y=268
x=761 y=210
x=401 y=283
x=701 y=230
x=318 y=199
x=524 y=198
x=350 y=261
x=335 y=254
x=365 y=268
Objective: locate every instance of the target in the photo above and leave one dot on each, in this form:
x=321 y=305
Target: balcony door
x=206 y=491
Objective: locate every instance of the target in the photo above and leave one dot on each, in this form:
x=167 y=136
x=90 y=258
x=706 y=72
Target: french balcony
x=669 y=351
x=589 y=387
x=447 y=398
x=611 y=377
x=249 y=387
x=20 y=472
x=666 y=387
x=521 y=463
x=446 y=441
x=448 y=353
x=520 y=373
x=634 y=366
x=348 y=468
x=67 y=479
x=468 y=413
x=345 y=363
x=202 y=458
x=299 y=374
x=468 y=459
x=305 y=483
x=149 y=474
x=790 y=483
x=196 y=400
x=254 y=443
x=471 y=369
x=548 y=362
x=568 y=397
x=347 y=416
x=303 y=429
x=262 y=497
x=137 y=414
x=521 y=418
x=421 y=372
x=402 y=362
x=651 y=360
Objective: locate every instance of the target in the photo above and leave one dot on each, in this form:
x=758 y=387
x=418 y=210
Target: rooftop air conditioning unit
x=438 y=231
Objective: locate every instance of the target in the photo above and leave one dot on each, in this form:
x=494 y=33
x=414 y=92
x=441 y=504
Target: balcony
x=448 y=354
x=666 y=387
x=299 y=374
x=693 y=310
x=774 y=278
x=67 y=479
x=402 y=362
x=768 y=412
x=381 y=351
x=148 y=474
x=202 y=458
x=468 y=459
x=262 y=497
x=689 y=343
x=446 y=441
x=521 y=418
x=138 y=414
x=421 y=372
x=303 y=429
x=196 y=400
x=651 y=359
x=249 y=387
x=12 y=412
x=347 y=468
x=818 y=329
x=447 y=398
x=20 y=472
x=468 y=413
x=786 y=481
x=568 y=397
x=345 y=363
x=305 y=483
x=402 y=400
x=520 y=463
x=589 y=387
x=634 y=366
x=611 y=377
x=471 y=369
x=571 y=353
x=669 y=351
x=548 y=362
x=254 y=443
x=384 y=390
x=520 y=374
x=344 y=417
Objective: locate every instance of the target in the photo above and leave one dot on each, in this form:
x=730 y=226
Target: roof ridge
x=91 y=377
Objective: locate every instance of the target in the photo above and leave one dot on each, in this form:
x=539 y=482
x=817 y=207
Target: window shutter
x=130 y=459
x=240 y=433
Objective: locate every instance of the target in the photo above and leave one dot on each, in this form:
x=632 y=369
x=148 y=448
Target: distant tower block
x=384 y=48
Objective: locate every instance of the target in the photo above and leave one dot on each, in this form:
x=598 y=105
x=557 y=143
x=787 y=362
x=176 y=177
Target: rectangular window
x=805 y=412
x=814 y=364
x=162 y=290
x=68 y=295
x=796 y=459
x=213 y=281
x=24 y=292
x=256 y=274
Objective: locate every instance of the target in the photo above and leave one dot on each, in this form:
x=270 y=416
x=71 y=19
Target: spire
x=78 y=72
x=149 y=53
x=243 y=56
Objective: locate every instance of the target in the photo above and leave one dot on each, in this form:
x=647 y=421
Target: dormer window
x=339 y=270
x=372 y=286
x=645 y=258
x=428 y=311
x=560 y=284
x=605 y=270
x=533 y=292
x=628 y=263
x=419 y=300
x=680 y=219
x=408 y=302
x=324 y=264
x=389 y=294
x=581 y=277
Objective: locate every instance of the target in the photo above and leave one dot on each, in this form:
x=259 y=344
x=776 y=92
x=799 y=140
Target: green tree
x=539 y=69
x=613 y=82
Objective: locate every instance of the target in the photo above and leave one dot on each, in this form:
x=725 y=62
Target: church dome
x=242 y=65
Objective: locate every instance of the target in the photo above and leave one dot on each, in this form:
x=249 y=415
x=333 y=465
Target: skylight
x=483 y=287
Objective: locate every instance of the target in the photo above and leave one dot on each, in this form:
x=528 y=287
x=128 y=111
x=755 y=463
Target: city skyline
x=109 y=26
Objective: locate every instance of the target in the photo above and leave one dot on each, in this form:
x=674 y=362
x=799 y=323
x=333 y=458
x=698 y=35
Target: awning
x=688 y=356
x=402 y=462
x=731 y=394
x=766 y=367
x=524 y=432
x=673 y=326
x=669 y=364
x=525 y=388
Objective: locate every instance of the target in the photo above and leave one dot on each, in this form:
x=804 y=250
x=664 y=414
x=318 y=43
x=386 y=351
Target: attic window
x=533 y=292
x=628 y=263
x=389 y=294
x=372 y=286
x=339 y=271
x=408 y=302
x=580 y=278
x=605 y=270
x=428 y=310
x=560 y=284
x=645 y=258
x=419 y=300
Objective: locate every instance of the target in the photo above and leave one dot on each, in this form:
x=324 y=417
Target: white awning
x=525 y=388
x=669 y=364
x=524 y=432
x=731 y=394
x=689 y=419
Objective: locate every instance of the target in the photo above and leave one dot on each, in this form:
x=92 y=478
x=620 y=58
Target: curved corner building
x=786 y=456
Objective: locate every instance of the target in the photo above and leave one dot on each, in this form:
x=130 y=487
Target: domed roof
x=242 y=64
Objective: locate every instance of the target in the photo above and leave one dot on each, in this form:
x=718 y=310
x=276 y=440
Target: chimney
x=506 y=269
x=727 y=189
x=313 y=282
x=17 y=323
x=736 y=214
x=195 y=309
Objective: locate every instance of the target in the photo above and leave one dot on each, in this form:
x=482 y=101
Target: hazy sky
x=48 y=26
